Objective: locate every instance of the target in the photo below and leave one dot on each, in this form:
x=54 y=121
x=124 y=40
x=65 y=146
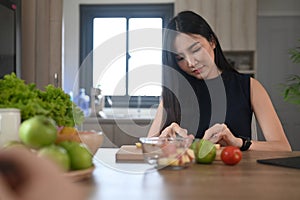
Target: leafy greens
x=53 y=102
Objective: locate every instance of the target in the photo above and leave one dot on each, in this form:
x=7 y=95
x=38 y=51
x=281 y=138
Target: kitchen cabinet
x=126 y=134
x=41 y=42
x=235 y=24
x=234 y=21
x=118 y=132
x=244 y=17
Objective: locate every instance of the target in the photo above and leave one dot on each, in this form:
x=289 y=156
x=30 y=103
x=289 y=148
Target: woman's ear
x=212 y=42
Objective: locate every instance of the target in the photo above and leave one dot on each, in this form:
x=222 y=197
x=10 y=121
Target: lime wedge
x=206 y=152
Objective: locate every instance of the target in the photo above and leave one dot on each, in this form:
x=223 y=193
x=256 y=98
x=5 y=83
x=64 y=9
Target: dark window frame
x=15 y=6
x=87 y=15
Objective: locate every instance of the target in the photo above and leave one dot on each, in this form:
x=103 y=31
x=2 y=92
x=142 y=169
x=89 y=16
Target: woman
x=204 y=94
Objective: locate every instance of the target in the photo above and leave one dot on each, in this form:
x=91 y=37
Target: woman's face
x=195 y=56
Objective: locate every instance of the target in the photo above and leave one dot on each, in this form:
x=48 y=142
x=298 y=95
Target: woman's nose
x=190 y=61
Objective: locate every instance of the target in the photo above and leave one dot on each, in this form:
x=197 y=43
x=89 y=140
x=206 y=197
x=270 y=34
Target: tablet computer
x=292 y=162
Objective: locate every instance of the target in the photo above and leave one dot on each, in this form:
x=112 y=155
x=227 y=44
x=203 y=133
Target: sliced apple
x=185 y=159
x=174 y=162
x=190 y=154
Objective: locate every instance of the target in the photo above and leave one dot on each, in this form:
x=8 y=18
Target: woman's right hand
x=173 y=130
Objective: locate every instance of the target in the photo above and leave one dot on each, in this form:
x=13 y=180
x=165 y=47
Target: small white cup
x=10 y=119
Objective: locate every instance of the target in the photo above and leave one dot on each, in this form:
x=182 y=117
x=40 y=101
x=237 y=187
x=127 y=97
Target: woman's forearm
x=270 y=146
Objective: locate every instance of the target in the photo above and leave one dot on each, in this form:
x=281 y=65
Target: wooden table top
x=246 y=180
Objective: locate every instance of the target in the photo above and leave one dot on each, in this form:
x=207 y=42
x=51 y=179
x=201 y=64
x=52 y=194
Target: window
x=109 y=56
x=10 y=48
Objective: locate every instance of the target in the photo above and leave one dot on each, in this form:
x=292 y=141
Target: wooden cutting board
x=129 y=154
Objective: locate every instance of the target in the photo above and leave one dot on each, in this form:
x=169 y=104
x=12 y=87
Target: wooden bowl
x=92 y=139
x=79 y=175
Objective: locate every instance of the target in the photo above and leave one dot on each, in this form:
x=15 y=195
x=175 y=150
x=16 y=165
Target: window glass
x=109 y=75
x=145 y=63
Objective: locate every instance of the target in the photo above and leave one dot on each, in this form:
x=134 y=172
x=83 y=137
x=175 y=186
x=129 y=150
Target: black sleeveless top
x=225 y=99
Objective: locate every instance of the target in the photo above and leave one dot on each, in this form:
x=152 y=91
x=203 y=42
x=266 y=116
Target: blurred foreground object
x=25 y=176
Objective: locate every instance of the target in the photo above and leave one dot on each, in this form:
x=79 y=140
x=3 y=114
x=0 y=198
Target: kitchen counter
x=247 y=180
x=100 y=120
x=119 y=131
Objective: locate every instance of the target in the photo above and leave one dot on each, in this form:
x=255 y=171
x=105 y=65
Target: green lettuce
x=53 y=102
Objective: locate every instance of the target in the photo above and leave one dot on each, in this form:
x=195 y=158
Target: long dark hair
x=184 y=22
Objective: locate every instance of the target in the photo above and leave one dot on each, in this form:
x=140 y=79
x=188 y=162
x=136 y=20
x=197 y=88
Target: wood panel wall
x=41 y=36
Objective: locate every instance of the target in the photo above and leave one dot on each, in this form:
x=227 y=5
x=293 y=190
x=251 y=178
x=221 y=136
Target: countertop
x=113 y=120
x=246 y=180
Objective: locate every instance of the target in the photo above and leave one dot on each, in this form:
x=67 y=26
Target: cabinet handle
x=55 y=79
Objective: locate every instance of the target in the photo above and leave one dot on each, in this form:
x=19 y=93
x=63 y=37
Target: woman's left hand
x=220 y=133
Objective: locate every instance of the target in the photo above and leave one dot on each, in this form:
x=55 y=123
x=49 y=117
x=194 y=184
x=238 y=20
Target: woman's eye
x=196 y=49
x=179 y=58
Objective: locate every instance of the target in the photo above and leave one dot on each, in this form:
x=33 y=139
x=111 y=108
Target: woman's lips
x=198 y=70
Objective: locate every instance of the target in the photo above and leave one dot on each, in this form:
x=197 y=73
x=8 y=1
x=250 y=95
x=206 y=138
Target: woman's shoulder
x=256 y=85
x=236 y=76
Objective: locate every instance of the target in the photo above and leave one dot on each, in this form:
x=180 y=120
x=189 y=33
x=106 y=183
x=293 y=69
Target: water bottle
x=71 y=96
x=97 y=101
x=84 y=102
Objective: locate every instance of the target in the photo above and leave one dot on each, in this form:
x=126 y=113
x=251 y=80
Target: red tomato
x=231 y=155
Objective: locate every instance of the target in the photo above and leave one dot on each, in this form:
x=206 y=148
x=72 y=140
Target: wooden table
x=247 y=180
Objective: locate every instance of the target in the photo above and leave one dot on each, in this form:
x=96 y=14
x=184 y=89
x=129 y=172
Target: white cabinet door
x=244 y=17
x=223 y=26
x=234 y=21
x=205 y=8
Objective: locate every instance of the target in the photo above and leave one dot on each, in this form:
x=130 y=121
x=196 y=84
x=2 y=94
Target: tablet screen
x=292 y=162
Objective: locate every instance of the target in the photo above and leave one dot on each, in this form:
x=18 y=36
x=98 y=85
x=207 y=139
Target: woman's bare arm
x=154 y=130
x=170 y=131
x=268 y=120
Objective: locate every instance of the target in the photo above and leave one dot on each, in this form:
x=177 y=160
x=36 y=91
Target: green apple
x=80 y=156
x=38 y=131
x=57 y=154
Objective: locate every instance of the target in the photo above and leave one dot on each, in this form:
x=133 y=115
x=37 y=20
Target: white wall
x=70 y=58
x=278 y=7
x=279 y=31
